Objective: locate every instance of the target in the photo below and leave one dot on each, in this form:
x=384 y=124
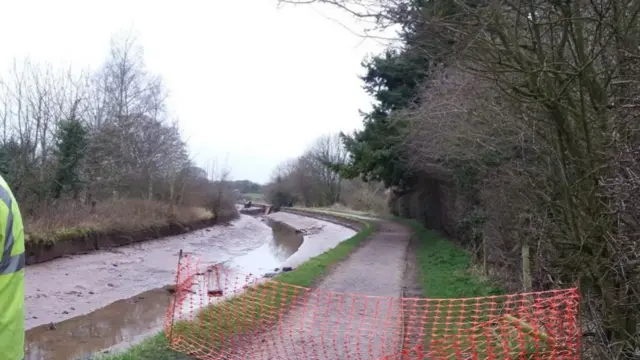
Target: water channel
x=125 y=322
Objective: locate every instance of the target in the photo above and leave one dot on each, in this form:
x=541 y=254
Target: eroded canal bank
x=64 y=288
x=83 y=302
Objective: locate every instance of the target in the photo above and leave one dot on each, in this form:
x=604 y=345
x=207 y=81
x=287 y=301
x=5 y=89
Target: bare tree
x=134 y=150
x=328 y=152
x=221 y=197
x=313 y=180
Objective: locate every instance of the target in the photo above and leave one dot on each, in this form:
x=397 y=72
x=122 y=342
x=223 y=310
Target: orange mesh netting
x=218 y=313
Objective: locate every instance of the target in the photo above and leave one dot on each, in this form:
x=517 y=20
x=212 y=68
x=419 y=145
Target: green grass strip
x=243 y=309
x=153 y=348
x=446 y=270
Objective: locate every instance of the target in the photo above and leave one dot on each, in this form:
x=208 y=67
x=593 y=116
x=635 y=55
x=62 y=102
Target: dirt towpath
x=354 y=313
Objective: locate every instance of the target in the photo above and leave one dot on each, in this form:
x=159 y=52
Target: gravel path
x=354 y=313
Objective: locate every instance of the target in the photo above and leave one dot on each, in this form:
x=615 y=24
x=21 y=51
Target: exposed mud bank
x=321 y=233
x=345 y=221
x=44 y=250
x=122 y=322
x=246 y=245
x=78 y=284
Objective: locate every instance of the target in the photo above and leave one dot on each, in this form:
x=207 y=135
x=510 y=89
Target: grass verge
x=446 y=270
x=244 y=312
x=466 y=326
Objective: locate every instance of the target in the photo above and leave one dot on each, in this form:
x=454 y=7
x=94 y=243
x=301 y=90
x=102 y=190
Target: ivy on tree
x=71 y=142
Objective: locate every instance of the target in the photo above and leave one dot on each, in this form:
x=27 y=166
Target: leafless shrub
x=460 y=117
x=221 y=198
x=365 y=196
x=311 y=179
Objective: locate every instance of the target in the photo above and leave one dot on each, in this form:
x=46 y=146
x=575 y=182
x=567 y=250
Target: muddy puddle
x=122 y=321
x=248 y=246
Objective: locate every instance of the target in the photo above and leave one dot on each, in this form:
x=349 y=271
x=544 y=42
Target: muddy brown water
x=125 y=322
x=121 y=321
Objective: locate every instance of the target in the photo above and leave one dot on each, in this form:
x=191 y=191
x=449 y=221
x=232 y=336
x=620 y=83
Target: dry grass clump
x=121 y=214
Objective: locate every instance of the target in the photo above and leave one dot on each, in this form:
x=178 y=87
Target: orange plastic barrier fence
x=218 y=313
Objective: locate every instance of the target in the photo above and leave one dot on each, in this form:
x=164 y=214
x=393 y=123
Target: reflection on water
x=283 y=243
x=120 y=321
x=285 y=240
x=124 y=321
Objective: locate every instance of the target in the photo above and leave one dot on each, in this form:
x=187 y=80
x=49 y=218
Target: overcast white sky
x=238 y=71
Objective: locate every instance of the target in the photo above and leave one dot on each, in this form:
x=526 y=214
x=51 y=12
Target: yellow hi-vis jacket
x=11 y=277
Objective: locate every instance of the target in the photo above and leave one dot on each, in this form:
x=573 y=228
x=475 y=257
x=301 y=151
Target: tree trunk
x=526 y=268
x=171 y=194
x=150 y=189
x=485 y=255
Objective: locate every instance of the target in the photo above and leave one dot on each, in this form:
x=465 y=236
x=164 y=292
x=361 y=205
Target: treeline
x=314 y=180
x=71 y=138
x=513 y=127
x=246 y=186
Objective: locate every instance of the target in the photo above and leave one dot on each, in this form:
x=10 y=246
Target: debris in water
x=110 y=285
x=276 y=269
x=216 y=293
